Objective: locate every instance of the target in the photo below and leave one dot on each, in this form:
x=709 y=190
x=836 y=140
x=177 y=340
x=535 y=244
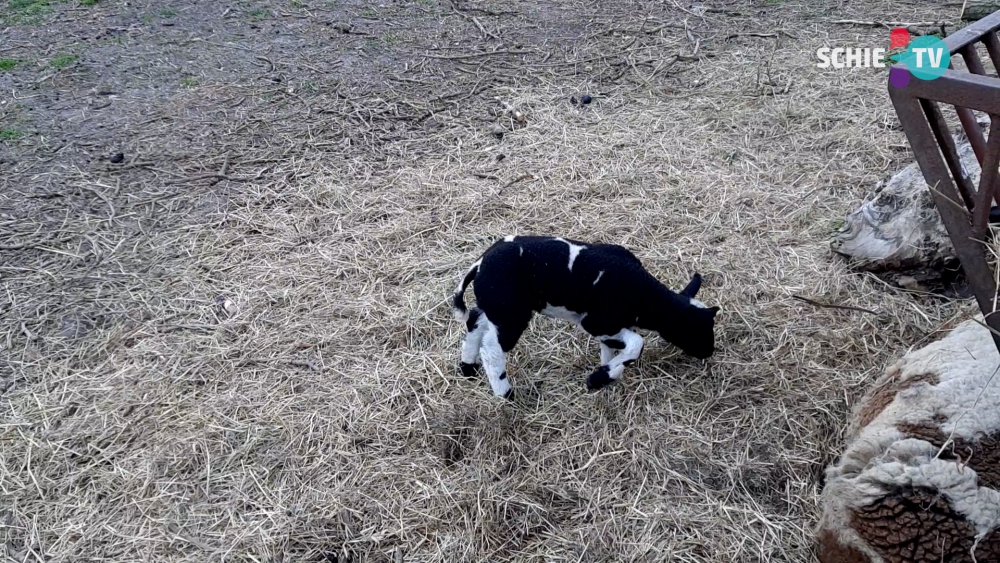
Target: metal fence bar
x=972 y=33
x=973 y=91
x=964 y=208
x=940 y=128
x=993 y=48
x=987 y=182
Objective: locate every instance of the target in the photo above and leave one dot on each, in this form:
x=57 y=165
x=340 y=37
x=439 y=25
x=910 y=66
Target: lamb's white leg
x=607 y=353
x=494 y=361
x=616 y=366
x=472 y=342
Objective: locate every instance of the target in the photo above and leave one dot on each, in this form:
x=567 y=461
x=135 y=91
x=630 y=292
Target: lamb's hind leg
x=495 y=361
x=498 y=340
x=476 y=326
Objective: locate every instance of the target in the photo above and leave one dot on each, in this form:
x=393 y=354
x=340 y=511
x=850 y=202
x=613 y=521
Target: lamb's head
x=692 y=327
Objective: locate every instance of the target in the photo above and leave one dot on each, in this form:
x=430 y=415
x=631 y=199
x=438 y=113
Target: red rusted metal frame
x=964 y=208
x=988 y=187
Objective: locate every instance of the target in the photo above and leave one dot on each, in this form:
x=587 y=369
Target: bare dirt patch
x=233 y=341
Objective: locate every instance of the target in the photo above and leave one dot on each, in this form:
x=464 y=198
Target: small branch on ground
x=215 y=177
x=514 y=181
x=832 y=306
x=266 y=60
x=752 y=34
x=475 y=20
x=888 y=24
x=27 y=245
x=104 y=198
x=476 y=55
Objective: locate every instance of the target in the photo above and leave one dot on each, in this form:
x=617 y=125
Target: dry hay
x=324 y=413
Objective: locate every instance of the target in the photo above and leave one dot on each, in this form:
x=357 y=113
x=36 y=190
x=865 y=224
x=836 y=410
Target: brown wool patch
x=885 y=392
x=832 y=551
x=920 y=526
x=981 y=455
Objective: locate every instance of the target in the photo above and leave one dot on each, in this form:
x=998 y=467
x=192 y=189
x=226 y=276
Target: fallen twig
x=514 y=181
x=476 y=55
x=266 y=60
x=832 y=306
x=27 y=245
x=104 y=198
x=215 y=177
x=31 y=336
x=475 y=20
x=752 y=34
x=695 y=57
x=890 y=23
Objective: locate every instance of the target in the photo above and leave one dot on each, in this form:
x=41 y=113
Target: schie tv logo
x=925 y=57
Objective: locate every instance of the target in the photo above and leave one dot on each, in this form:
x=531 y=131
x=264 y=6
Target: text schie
x=849 y=57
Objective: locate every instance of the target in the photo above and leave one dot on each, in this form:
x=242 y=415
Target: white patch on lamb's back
x=574 y=251
x=599 y=274
x=522 y=251
x=698 y=304
x=560 y=312
x=508 y=238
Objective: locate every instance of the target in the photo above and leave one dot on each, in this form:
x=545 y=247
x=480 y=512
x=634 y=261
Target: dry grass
x=141 y=421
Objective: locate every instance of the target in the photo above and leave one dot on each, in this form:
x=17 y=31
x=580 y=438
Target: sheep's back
x=919 y=479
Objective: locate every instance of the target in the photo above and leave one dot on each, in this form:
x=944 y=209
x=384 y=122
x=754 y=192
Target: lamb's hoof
x=469 y=370
x=599 y=379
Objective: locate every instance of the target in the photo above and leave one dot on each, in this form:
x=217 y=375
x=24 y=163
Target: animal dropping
x=602 y=288
x=225 y=306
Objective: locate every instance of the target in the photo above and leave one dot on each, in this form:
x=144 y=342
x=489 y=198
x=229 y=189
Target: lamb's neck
x=659 y=301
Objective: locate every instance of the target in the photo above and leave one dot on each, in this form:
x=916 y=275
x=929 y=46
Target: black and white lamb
x=603 y=288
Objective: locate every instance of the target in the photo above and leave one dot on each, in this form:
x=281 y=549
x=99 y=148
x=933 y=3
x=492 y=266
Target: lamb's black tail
x=461 y=312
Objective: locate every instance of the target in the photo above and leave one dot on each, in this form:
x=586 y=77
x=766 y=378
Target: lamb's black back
x=521 y=275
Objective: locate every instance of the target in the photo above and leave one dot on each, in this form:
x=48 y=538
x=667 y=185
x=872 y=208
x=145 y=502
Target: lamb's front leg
x=609 y=348
x=613 y=369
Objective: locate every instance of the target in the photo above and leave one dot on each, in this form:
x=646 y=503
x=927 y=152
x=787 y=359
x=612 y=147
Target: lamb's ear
x=693 y=286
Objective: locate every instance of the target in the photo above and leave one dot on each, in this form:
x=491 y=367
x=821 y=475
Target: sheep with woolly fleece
x=602 y=288
x=919 y=480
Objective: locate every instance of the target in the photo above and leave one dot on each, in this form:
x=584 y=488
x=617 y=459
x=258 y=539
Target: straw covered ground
x=233 y=342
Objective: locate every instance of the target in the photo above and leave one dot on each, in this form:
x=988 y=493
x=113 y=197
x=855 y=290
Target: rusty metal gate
x=965 y=208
